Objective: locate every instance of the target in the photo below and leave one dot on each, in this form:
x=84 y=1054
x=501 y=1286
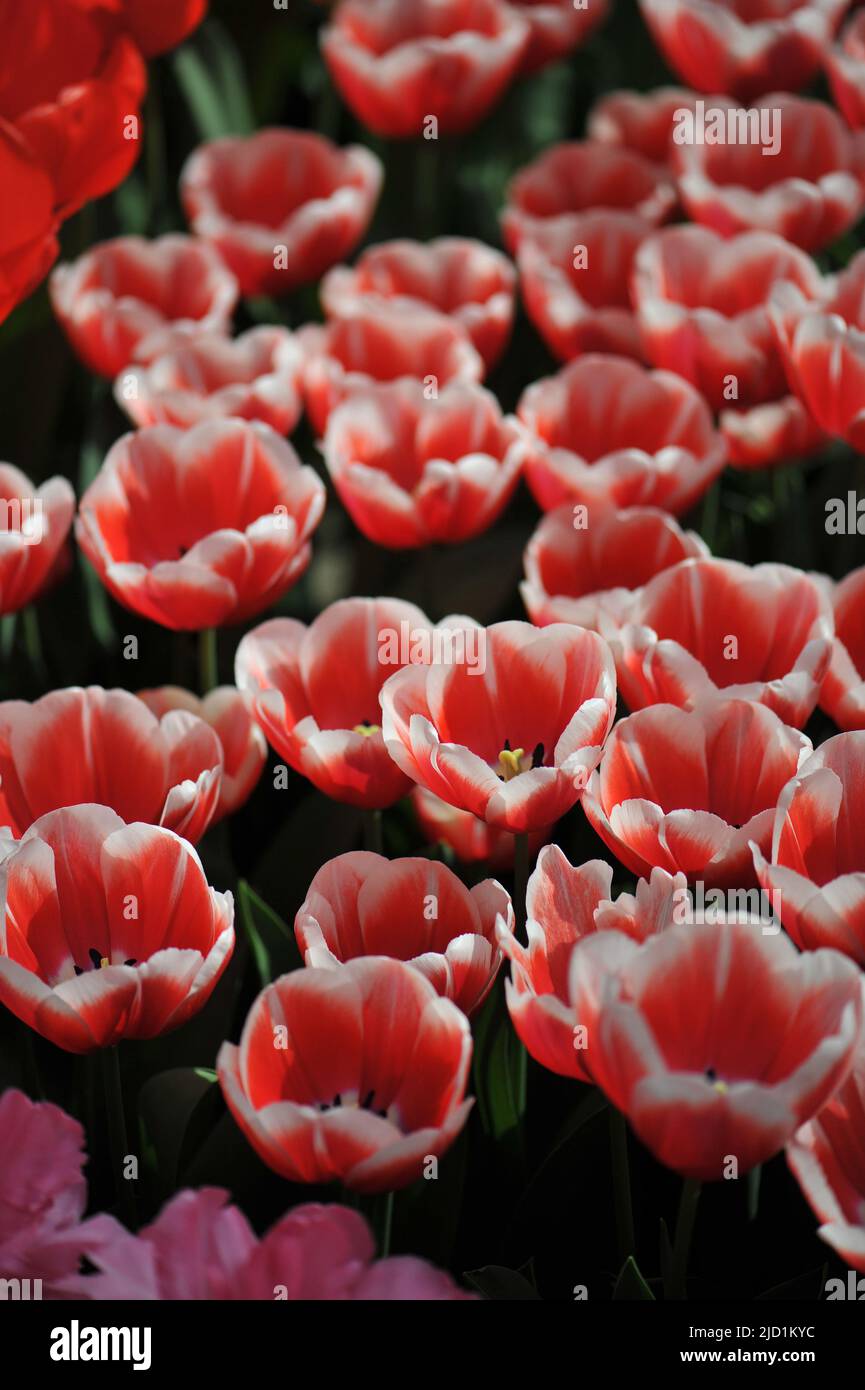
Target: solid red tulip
x=691 y=1039
x=708 y=625
x=383 y=343
x=157 y=25
x=574 y=280
x=590 y=576
x=256 y=376
x=415 y=910
x=111 y=930
x=584 y=176
x=315 y=692
x=124 y=300
x=744 y=49
x=28 y=240
x=244 y=747
x=843 y=692
x=817 y=856
x=398 y=63
x=280 y=206
x=827 y=1156
x=357 y=1074
x=514 y=738
x=809 y=190
x=648 y=440
x=670 y=792
x=79 y=745
x=470 y=282
x=412 y=470
x=34 y=525
x=197 y=528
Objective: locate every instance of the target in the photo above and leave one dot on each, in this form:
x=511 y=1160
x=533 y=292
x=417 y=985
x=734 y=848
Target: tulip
x=34 y=525
x=843 y=692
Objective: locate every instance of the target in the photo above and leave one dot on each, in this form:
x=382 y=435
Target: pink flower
x=200 y=1248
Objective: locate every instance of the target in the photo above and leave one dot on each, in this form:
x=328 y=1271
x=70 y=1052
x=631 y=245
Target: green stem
x=622 y=1185
x=118 y=1141
x=373 y=837
x=687 y=1215
x=381 y=1220
x=208 y=663
x=33 y=641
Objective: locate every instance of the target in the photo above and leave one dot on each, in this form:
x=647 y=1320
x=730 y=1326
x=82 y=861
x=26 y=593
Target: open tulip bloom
x=513 y=743
x=110 y=930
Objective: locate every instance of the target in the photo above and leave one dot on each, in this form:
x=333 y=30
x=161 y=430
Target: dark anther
x=538 y=755
x=95 y=957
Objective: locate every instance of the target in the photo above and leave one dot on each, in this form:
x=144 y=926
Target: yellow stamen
x=366 y=729
x=103 y=962
x=721 y=1087
x=513 y=761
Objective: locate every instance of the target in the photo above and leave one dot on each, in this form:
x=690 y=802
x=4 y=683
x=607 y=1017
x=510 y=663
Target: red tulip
x=470 y=282
x=810 y=190
x=34 y=524
x=280 y=206
x=821 y=343
x=77 y=746
x=412 y=470
x=818 y=859
x=557 y=27
x=843 y=692
x=574 y=276
x=707 y=625
x=71 y=83
x=202 y=527
x=111 y=930
x=584 y=176
x=671 y=793
x=200 y=1248
x=123 y=300
x=827 y=1156
x=397 y=63
x=157 y=25
x=357 y=1074
x=845 y=65
x=743 y=49
x=692 y=1039
x=512 y=742
x=640 y=121
x=28 y=241
x=565 y=907
x=382 y=344
x=581 y=576
x=244 y=747
x=314 y=691
x=414 y=910
x=470 y=838
x=256 y=376
x=647 y=441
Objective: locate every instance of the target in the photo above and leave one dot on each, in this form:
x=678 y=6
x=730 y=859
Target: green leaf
x=753 y=1187
x=167 y=1105
x=210 y=76
x=499 y=1070
x=630 y=1284
x=497 y=1282
x=272 y=943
